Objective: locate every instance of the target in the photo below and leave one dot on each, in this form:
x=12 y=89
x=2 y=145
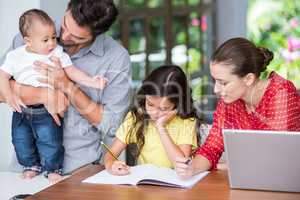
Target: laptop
x=263 y=160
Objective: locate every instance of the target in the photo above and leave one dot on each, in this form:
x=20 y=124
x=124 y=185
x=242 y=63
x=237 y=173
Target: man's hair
x=29 y=17
x=97 y=15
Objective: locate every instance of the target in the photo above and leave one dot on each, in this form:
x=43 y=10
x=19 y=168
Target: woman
x=246 y=101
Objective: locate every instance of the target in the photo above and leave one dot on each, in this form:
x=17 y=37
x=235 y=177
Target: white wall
x=9 y=15
x=12 y=9
x=231 y=19
x=54 y=8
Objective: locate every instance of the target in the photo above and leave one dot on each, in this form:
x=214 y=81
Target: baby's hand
x=100 y=82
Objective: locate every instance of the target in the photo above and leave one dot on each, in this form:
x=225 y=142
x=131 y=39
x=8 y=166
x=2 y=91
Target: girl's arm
x=207 y=155
x=173 y=150
x=112 y=165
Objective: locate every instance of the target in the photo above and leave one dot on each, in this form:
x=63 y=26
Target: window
x=180 y=32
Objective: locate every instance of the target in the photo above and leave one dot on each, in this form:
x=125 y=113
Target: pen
x=109 y=151
x=188 y=161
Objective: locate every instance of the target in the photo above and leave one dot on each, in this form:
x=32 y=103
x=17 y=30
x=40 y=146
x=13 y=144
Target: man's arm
x=116 y=96
x=89 y=109
x=59 y=80
x=55 y=101
x=28 y=94
x=1 y=99
x=11 y=99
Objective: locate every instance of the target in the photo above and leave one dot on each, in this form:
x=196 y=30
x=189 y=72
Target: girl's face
x=228 y=86
x=156 y=106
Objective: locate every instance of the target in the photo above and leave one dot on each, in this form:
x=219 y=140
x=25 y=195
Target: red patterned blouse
x=279 y=109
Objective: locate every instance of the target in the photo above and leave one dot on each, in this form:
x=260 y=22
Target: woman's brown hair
x=244 y=56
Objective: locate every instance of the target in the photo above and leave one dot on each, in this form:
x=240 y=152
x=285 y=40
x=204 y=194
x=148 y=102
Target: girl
x=162 y=124
x=247 y=102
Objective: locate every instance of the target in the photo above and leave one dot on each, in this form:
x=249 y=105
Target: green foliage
x=194 y=63
x=155 y=3
x=271 y=23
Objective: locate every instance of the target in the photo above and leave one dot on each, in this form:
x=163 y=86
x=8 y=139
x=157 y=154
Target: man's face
x=73 y=34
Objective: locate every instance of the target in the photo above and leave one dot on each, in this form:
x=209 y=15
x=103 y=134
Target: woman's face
x=228 y=86
x=157 y=106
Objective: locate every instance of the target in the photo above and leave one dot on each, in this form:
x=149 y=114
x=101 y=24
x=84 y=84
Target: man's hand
x=56 y=103
x=55 y=74
x=14 y=102
x=99 y=82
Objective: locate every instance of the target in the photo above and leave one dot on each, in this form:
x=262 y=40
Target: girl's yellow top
x=182 y=131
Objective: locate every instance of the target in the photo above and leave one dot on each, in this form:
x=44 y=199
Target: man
x=92 y=114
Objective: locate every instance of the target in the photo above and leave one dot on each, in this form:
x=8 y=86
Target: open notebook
x=146 y=174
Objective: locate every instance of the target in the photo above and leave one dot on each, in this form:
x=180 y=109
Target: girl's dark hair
x=29 y=17
x=165 y=81
x=97 y=15
x=244 y=56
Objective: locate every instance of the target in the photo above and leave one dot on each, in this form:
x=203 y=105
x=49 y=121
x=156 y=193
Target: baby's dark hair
x=27 y=19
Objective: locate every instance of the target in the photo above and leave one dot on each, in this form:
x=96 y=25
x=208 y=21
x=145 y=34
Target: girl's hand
x=184 y=167
x=164 y=119
x=119 y=168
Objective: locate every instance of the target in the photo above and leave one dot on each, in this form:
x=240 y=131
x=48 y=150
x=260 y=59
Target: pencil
x=109 y=151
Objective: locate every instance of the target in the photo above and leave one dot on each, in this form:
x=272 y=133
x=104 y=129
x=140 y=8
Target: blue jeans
x=37 y=140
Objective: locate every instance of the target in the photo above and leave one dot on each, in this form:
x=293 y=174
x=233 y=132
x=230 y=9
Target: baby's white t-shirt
x=19 y=64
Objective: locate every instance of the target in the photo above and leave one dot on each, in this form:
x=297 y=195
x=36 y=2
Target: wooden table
x=212 y=187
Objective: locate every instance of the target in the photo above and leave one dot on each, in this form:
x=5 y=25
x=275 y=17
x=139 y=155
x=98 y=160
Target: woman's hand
x=119 y=168
x=184 y=167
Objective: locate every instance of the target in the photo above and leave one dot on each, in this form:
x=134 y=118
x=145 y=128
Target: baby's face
x=42 y=38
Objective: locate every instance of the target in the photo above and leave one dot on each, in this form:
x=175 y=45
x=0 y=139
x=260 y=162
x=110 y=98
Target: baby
x=36 y=138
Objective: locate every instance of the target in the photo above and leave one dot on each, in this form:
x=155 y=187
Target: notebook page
x=137 y=173
x=170 y=176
